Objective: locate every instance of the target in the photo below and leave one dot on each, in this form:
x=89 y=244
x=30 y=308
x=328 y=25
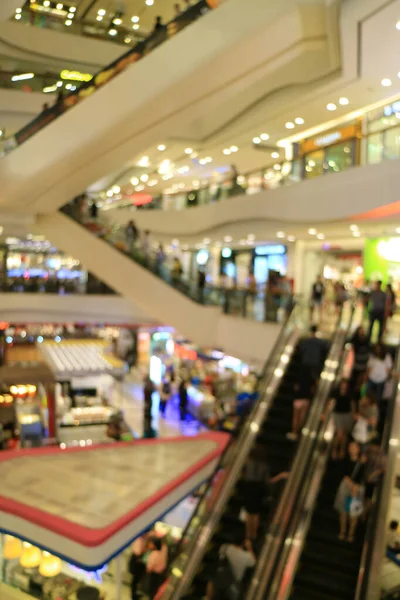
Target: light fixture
x=277 y=167
x=152 y=182
x=22 y=77
x=331 y=106
x=135 y=26
x=18 y=10
x=135 y=19
x=397 y=229
x=30 y=558
x=70 y=15
x=112 y=32
x=101 y=12
x=299 y=121
x=12 y=548
x=320 y=236
x=188 y=150
x=256 y=140
x=46 y=3
x=117 y=21
x=208 y=159
x=343 y=101
x=280 y=234
x=226 y=151
x=233 y=148
x=354 y=227
x=264 y=137
x=72 y=9
x=149 y=2
x=17 y=16
x=183 y=170
x=144 y=177
x=50 y=565
x=109 y=193
x=312 y=231
x=99 y=18
x=275 y=155
x=386 y=82
x=134 y=180
x=59 y=6
x=116 y=189
x=127 y=40
x=161 y=147
x=289 y=125
x=291 y=238
x=68 y=22
x=139 y=188
x=144 y=161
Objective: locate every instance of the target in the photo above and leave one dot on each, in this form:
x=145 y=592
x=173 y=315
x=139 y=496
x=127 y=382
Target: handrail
x=368 y=585
x=184 y=569
x=277 y=532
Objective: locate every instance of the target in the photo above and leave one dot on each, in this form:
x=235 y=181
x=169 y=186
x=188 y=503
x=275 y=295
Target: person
x=379 y=367
x=201 y=284
x=45 y=107
x=176 y=271
x=317 y=297
x=160 y=259
x=60 y=99
x=349 y=490
x=341 y=296
x=252 y=284
x=376 y=465
x=146 y=245
x=343 y=415
x=137 y=567
x=177 y=8
x=148 y=390
x=158 y=25
x=366 y=419
x=303 y=392
x=313 y=351
x=131 y=234
x=390 y=302
x=256 y=479
x=156 y=565
x=239 y=557
x=94 y=211
x=361 y=350
x=165 y=394
x=377 y=309
x=392 y=539
x=183 y=398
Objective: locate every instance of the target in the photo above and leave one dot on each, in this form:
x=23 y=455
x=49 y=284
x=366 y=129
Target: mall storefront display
x=382 y=260
x=382 y=131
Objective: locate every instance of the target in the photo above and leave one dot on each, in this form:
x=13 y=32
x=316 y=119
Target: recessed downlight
x=299 y=121
x=264 y=137
x=386 y=82
x=256 y=140
x=312 y=231
x=289 y=125
x=343 y=101
x=275 y=155
x=280 y=234
x=331 y=106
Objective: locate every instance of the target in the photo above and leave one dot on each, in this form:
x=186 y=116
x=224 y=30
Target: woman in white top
x=379 y=367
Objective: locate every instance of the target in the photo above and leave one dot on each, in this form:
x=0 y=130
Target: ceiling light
x=99 y=18
x=111 y=31
x=227 y=238
x=354 y=227
x=144 y=177
x=161 y=147
x=280 y=234
x=256 y=140
x=152 y=182
x=299 y=121
x=110 y=193
x=117 y=21
x=135 y=19
x=331 y=106
x=18 y=10
x=291 y=238
x=188 y=150
x=135 y=26
x=397 y=229
x=68 y=22
x=70 y=15
x=101 y=12
x=46 y=3
x=202 y=161
x=386 y=82
x=127 y=40
x=234 y=148
x=194 y=155
x=72 y=9
x=59 y=6
x=149 y=2
x=22 y=76
x=144 y=161
x=208 y=159
x=116 y=189
x=264 y=137
x=320 y=236
x=343 y=101
x=139 y=188
x=18 y=16
x=277 y=167
x=226 y=151
x=289 y=125
x=134 y=180
x=312 y=231
x=275 y=155
x=183 y=170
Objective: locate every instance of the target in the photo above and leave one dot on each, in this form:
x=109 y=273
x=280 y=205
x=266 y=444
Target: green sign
x=382 y=259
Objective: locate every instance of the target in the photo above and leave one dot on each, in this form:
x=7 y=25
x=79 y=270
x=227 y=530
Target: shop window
x=375 y=148
x=340 y=157
x=391 y=143
x=314 y=164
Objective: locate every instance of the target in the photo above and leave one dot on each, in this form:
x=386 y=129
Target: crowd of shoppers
x=147 y=565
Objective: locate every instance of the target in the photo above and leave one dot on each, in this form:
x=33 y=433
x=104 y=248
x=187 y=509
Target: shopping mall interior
x=199 y=300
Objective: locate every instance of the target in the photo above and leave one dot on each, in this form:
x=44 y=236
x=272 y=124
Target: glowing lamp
x=50 y=565
x=31 y=556
x=12 y=548
x=31 y=390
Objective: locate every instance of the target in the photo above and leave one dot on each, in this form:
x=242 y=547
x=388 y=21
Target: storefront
x=382 y=260
x=236 y=265
x=331 y=151
x=383 y=133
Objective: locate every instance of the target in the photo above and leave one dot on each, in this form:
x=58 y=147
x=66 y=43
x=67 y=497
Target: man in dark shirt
x=313 y=351
x=317 y=297
x=377 y=309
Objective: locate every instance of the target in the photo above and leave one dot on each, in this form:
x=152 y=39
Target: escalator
x=280 y=453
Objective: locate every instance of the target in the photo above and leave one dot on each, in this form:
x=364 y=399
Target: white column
x=295 y=268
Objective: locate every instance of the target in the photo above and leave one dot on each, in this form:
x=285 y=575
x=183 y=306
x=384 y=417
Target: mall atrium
x=199 y=299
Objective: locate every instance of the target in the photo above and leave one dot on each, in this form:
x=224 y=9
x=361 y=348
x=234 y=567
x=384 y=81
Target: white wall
x=45 y=308
x=205 y=326
x=17 y=108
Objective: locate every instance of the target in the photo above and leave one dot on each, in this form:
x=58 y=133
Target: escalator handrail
x=185 y=568
x=275 y=537
x=375 y=539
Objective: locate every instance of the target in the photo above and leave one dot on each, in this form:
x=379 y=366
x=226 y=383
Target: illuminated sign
x=226 y=252
x=327 y=139
x=389 y=249
x=75 y=75
x=268 y=250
